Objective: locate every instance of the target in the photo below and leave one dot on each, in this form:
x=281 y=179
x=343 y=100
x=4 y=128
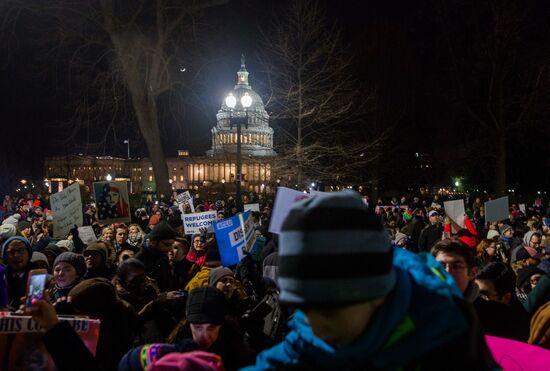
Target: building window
x=175 y=169
x=150 y=168
x=150 y=178
x=181 y=178
x=174 y=178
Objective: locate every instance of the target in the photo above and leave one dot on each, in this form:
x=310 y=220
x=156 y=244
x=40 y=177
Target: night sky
x=401 y=47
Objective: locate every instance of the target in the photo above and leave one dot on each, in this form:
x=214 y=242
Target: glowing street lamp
x=245 y=103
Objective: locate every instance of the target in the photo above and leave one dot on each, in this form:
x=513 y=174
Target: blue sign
x=234 y=236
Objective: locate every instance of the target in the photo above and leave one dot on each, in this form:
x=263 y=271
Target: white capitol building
x=215 y=171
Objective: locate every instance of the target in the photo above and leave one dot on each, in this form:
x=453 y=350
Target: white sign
x=185 y=198
x=67 y=210
x=496 y=210
x=192 y=223
x=284 y=200
x=316 y=193
x=522 y=208
x=252 y=207
x=87 y=234
x=455 y=211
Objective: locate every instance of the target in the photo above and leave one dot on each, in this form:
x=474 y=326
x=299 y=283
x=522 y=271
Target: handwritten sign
x=235 y=236
x=87 y=234
x=192 y=223
x=67 y=210
x=185 y=198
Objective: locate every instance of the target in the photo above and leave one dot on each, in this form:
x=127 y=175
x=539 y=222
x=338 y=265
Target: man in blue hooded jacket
x=363 y=304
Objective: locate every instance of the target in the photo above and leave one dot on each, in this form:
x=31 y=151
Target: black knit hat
x=76 y=260
x=98 y=247
x=217 y=274
x=333 y=244
x=525 y=273
x=213 y=258
x=206 y=305
x=162 y=231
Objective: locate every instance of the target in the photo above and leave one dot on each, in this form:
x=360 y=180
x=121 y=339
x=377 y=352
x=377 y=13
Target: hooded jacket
x=423 y=324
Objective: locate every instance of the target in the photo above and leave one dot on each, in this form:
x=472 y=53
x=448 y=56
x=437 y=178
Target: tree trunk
x=145 y=107
x=500 y=164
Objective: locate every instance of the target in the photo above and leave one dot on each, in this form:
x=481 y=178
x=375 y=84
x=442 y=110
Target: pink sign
x=514 y=355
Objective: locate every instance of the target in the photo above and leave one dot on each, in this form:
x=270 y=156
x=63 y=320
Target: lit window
x=150 y=168
x=181 y=178
x=150 y=178
x=174 y=178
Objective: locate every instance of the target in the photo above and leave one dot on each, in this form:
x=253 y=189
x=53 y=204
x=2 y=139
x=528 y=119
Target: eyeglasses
x=453 y=267
x=487 y=296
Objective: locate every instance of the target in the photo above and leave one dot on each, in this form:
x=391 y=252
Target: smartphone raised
x=36 y=286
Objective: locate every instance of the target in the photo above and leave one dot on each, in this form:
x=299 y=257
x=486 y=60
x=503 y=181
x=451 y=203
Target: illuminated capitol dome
x=257 y=139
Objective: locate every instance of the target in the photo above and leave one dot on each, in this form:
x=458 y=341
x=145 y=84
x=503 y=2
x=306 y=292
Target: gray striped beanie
x=333 y=251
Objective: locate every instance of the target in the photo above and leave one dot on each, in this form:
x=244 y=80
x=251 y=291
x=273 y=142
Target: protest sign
x=87 y=234
x=514 y=355
x=67 y=210
x=112 y=202
x=455 y=210
x=284 y=200
x=192 y=223
x=235 y=236
x=316 y=193
x=185 y=198
x=252 y=207
x=86 y=328
x=496 y=210
x=522 y=208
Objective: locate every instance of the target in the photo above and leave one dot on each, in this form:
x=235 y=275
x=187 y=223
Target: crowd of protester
x=298 y=300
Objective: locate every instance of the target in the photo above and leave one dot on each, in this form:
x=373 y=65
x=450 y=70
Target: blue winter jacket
x=418 y=316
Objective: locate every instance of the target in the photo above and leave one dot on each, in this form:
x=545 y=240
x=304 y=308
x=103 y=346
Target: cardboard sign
x=496 y=210
x=284 y=200
x=67 y=210
x=514 y=355
x=183 y=199
x=192 y=223
x=112 y=202
x=252 y=207
x=86 y=328
x=235 y=236
x=87 y=234
x=455 y=211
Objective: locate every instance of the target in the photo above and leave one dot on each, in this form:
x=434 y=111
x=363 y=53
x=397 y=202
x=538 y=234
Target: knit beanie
x=217 y=274
x=206 y=305
x=67 y=245
x=504 y=228
x=399 y=236
x=140 y=358
x=12 y=219
x=7 y=231
x=98 y=247
x=23 y=224
x=196 y=361
x=16 y=238
x=162 y=231
x=525 y=273
x=52 y=249
x=39 y=257
x=94 y=297
x=76 y=260
x=333 y=244
x=492 y=234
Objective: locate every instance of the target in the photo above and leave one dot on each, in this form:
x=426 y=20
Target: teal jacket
x=423 y=314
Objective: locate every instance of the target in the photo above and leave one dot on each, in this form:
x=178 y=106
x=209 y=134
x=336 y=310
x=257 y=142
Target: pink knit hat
x=192 y=361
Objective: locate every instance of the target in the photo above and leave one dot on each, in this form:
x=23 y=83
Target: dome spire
x=242 y=74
